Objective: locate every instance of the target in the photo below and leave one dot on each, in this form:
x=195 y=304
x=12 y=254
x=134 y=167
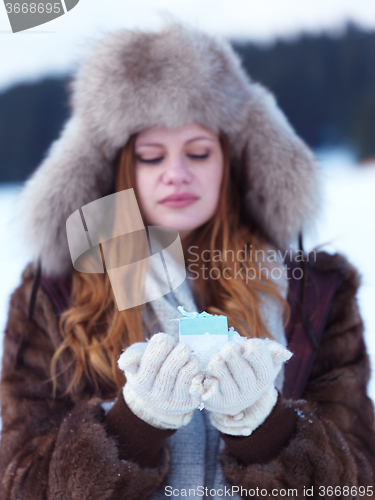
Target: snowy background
x=346 y=225
x=60 y=44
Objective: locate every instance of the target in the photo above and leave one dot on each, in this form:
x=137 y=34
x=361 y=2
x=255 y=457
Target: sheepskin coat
x=68 y=447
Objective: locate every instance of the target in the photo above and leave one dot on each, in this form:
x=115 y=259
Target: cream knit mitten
x=158 y=380
x=239 y=388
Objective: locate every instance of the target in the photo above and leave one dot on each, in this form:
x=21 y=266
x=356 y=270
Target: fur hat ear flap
x=74 y=173
x=282 y=191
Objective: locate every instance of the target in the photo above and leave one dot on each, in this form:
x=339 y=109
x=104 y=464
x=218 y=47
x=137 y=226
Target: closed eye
x=199 y=157
x=151 y=160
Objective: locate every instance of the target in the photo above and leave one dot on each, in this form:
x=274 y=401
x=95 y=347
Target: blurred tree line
x=324 y=84
x=31 y=116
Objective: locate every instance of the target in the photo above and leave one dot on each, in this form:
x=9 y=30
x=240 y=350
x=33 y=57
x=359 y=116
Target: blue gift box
x=194 y=323
x=204 y=333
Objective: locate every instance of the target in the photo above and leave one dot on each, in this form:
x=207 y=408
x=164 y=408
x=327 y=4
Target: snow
x=204 y=346
x=12 y=255
x=346 y=225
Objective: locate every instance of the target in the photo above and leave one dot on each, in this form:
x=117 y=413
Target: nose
x=176 y=171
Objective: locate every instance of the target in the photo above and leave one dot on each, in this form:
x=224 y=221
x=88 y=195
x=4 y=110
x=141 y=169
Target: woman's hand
x=159 y=377
x=239 y=387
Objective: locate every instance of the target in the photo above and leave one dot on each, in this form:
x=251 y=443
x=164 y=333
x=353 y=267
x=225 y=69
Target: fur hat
x=178 y=75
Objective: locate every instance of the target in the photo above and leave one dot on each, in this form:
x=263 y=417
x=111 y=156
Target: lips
x=179 y=200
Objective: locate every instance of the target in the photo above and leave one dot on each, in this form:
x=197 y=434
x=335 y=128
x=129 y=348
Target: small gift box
x=205 y=333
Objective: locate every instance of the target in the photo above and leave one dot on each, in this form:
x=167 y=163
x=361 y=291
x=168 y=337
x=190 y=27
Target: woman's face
x=178 y=175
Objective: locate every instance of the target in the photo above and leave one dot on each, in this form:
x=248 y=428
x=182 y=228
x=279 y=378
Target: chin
x=177 y=224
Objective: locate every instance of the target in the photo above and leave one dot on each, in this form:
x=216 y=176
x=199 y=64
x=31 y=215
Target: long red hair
x=95 y=332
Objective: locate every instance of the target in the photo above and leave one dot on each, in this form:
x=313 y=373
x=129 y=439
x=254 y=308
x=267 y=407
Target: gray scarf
x=195 y=448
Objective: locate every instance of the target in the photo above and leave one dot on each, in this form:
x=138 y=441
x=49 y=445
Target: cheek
x=142 y=182
x=213 y=179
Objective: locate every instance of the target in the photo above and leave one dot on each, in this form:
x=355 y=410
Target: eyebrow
x=201 y=139
x=153 y=144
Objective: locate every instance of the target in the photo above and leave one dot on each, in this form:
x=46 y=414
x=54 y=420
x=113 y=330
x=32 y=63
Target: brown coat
x=69 y=449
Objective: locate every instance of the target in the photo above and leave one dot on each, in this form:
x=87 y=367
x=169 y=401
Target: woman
x=166 y=114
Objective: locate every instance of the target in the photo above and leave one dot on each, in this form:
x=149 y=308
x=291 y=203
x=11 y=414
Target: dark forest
x=324 y=84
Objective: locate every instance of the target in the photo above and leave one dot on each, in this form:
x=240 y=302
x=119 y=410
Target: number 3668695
x=33 y=8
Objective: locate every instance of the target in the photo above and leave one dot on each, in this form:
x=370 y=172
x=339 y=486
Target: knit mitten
x=239 y=389
x=158 y=379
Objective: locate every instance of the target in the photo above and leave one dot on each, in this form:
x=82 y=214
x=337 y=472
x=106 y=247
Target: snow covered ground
x=346 y=225
x=12 y=256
